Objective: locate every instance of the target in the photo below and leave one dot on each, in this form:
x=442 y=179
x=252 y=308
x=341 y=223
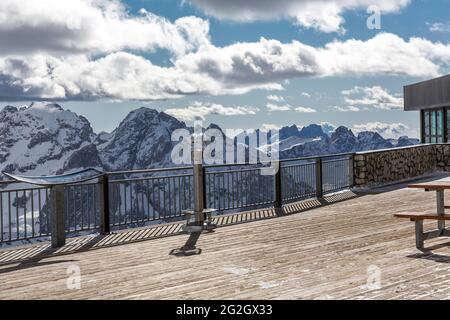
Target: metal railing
x=158 y=195
x=128 y=199
x=237 y=187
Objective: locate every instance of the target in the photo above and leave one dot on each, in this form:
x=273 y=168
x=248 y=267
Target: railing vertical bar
x=155 y=207
x=81 y=207
x=147 y=195
x=168 y=198
x=142 y=200
x=66 y=209
x=9 y=216
x=24 y=202
x=76 y=218
x=40 y=211
x=186 y=181
x=116 y=202
x=137 y=200
x=172 y=195
x=165 y=197
x=94 y=205
x=88 y=204
x=175 y=193
x=158 y=196
x=125 y=204
x=122 y=214
x=73 y=212
x=178 y=201
x=17 y=214
x=237 y=190
x=214 y=190
x=1 y=216
x=47 y=217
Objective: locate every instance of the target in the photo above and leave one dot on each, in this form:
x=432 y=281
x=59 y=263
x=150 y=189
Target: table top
x=432 y=185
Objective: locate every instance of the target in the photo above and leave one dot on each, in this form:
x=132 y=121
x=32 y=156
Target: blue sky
x=186 y=69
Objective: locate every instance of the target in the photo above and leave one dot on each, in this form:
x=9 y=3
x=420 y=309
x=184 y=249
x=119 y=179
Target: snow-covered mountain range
x=43 y=139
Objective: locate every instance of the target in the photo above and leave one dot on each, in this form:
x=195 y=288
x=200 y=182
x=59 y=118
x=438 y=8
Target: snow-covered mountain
x=43 y=139
x=342 y=140
x=142 y=140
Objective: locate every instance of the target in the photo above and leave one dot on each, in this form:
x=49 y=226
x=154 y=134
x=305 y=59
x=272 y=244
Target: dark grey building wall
x=429 y=94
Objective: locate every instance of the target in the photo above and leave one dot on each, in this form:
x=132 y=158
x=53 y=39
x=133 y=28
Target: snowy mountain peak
x=39 y=139
x=43 y=139
x=312 y=131
x=142 y=140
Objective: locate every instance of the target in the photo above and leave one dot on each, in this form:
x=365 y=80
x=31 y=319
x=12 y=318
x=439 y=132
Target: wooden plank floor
x=327 y=252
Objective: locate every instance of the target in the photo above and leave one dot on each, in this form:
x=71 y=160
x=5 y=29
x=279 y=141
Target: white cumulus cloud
x=323 y=15
x=305 y=110
x=96 y=49
x=387 y=130
x=270 y=126
x=345 y=109
x=199 y=110
x=376 y=97
x=275 y=98
x=275 y=107
x=92 y=26
x=439 y=27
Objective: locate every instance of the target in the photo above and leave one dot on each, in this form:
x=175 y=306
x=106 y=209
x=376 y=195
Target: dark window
x=426 y=126
x=433 y=126
x=447 y=110
x=440 y=126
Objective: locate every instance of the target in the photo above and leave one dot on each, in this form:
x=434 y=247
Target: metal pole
x=352 y=171
x=198 y=187
x=319 y=188
x=104 y=205
x=278 y=196
x=57 y=217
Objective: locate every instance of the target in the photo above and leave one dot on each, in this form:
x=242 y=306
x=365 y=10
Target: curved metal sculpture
x=75 y=177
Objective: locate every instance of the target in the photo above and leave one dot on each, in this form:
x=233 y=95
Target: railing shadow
x=34 y=253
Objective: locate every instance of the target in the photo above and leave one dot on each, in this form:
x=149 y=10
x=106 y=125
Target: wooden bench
x=418 y=218
x=422 y=216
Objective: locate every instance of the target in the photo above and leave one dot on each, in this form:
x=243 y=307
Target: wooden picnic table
x=439 y=186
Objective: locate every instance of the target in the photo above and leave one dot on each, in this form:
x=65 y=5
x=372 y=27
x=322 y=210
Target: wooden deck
x=326 y=252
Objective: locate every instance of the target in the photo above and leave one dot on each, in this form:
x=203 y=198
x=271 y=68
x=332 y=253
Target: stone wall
x=375 y=168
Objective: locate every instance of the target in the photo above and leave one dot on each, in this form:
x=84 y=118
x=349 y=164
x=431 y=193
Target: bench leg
x=419 y=234
x=440 y=208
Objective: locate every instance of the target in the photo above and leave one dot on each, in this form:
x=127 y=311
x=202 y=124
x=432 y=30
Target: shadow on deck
x=30 y=255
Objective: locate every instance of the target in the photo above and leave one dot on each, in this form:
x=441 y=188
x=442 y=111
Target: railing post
x=205 y=204
x=351 y=170
x=104 y=205
x=199 y=187
x=58 y=232
x=319 y=177
x=277 y=179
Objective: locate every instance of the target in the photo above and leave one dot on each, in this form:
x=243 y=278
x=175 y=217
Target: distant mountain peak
x=312 y=131
x=43 y=138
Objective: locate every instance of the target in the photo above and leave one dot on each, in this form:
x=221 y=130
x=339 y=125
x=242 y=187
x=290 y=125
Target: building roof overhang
x=430 y=94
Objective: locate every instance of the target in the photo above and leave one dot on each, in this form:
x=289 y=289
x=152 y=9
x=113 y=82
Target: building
x=432 y=99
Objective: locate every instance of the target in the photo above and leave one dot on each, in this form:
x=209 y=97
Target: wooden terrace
x=316 y=250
